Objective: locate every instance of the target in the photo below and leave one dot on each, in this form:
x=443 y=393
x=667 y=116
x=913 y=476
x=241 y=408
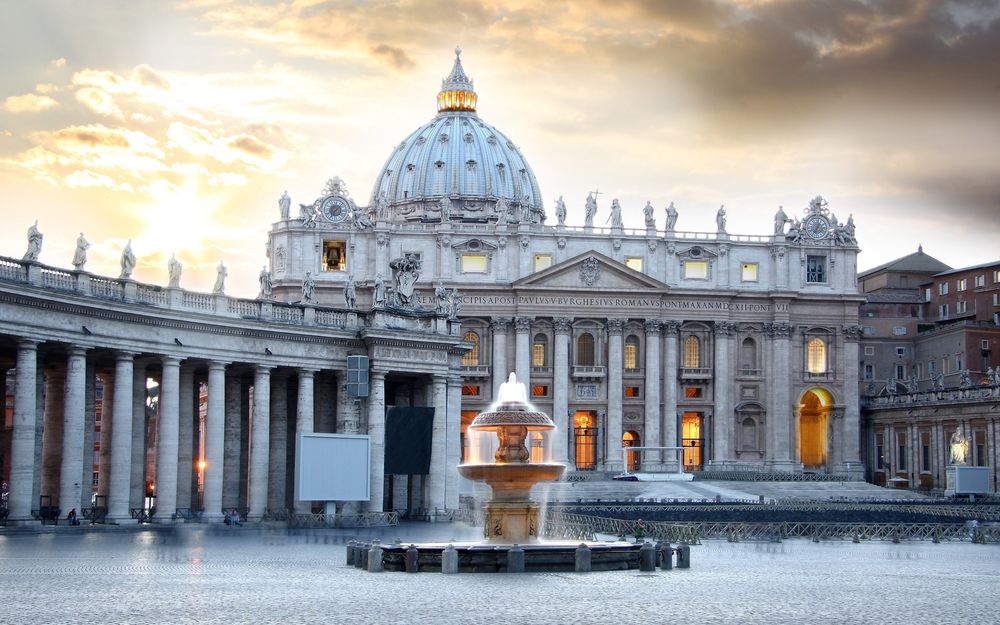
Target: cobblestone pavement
x=207 y=576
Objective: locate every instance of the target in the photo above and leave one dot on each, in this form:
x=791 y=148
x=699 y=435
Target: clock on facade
x=334 y=208
x=817 y=226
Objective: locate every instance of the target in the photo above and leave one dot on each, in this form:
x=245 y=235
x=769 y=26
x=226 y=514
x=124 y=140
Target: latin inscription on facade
x=410 y=355
x=586 y=391
x=613 y=302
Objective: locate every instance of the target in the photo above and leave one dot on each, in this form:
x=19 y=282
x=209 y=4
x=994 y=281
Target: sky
x=177 y=125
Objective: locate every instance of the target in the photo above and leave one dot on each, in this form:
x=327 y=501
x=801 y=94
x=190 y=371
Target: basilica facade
x=728 y=351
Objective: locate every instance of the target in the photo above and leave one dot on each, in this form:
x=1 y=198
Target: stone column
x=652 y=461
x=185 y=450
x=259 y=444
x=22 y=446
x=500 y=371
x=780 y=414
x=560 y=392
x=121 y=439
x=722 y=385
x=137 y=477
x=522 y=350
x=453 y=440
x=70 y=488
x=669 y=439
x=304 y=418
x=438 y=441
x=278 y=454
x=89 y=418
x=613 y=457
x=167 y=433
x=851 y=436
x=107 y=381
x=52 y=423
x=215 y=429
x=233 y=442
x=376 y=430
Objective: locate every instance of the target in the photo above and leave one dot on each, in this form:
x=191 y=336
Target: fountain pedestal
x=511 y=522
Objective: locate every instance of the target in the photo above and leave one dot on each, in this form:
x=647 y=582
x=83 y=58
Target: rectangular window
x=538 y=355
x=543 y=261
x=981 y=280
x=334 y=255
x=633 y=262
x=539 y=390
x=927 y=294
x=944 y=365
x=748 y=272
x=899 y=330
x=979 y=448
x=996 y=276
x=632 y=391
x=879 y=456
x=943 y=311
x=692 y=392
x=925 y=451
x=816 y=269
x=900 y=372
x=901 y=451
x=869 y=350
x=996 y=299
x=470 y=390
x=961 y=307
x=961 y=284
x=943 y=288
x=696 y=269
x=931 y=367
x=984 y=343
x=473 y=263
x=958 y=363
x=900 y=352
x=869 y=371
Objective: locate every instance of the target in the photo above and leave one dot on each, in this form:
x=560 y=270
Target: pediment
x=591 y=271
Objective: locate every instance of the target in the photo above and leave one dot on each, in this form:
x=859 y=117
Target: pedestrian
x=72 y=518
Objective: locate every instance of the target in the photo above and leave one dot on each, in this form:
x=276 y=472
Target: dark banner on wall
x=408 y=434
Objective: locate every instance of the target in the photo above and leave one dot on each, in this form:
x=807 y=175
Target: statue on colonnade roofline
x=128 y=262
x=220 y=279
x=34 y=242
x=561 y=211
x=647 y=212
x=308 y=288
x=284 y=205
x=590 y=211
x=780 y=219
x=265 y=284
x=173 y=272
x=720 y=219
x=671 y=217
x=80 y=255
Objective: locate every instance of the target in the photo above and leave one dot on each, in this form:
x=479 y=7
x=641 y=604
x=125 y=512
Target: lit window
x=816 y=269
x=961 y=284
x=471 y=357
x=696 y=269
x=634 y=262
x=538 y=351
x=632 y=391
x=539 y=390
x=470 y=390
x=473 y=263
x=543 y=261
x=927 y=294
x=996 y=276
x=692 y=352
x=334 y=256
x=816 y=355
x=996 y=299
x=632 y=353
x=748 y=272
x=692 y=392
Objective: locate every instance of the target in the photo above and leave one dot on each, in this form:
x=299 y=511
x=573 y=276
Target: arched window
x=816 y=355
x=692 y=352
x=538 y=349
x=633 y=458
x=471 y=357
x=632 y=352
x=748 y=355
x=585 y=350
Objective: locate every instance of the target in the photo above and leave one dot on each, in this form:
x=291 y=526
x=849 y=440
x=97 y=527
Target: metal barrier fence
x=364 y=519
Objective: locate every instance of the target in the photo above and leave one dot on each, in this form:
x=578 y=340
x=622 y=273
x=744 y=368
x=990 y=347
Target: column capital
x=171 y=361
x=308 y=372
x=523 y=324
x=500 y=324
x=671 y=327
x=562 y=325
x=652 y=326
x=263 y=369
x=724 y=328
x=376 y=373
x=78 y=350
x=122 y=354
x=778 y=330
x=217 y=365
x=615 y=326
x=28 y=344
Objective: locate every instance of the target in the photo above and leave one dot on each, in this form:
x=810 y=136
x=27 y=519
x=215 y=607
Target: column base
x=855 y=471
x=23 y=522
x=784 y=466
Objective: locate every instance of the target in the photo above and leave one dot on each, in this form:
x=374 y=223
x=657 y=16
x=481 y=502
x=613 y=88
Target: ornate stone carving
x=502 y=242
x=500 y=324
x=778 y=251
x=525 y=241
x=523 y=324
x=724 y=328
x=778 y=330
x=590 y=271
x=443 y=240
x=616 y=243
x=723 y=250
x=562 y=325
x=671 y=327
x=382 y=239
x=615 y=326
x=852 y=332
x=651 y=244
x=671 y=248
x=561 y=242
x=652 y=326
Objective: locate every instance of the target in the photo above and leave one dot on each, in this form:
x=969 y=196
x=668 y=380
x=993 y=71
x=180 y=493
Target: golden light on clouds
x=182 y=124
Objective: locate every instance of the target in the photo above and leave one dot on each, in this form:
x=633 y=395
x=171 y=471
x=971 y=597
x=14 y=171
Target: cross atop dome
x=457 y=92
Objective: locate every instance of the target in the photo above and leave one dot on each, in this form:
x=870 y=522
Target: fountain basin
x=512 y=482
x=539 y=557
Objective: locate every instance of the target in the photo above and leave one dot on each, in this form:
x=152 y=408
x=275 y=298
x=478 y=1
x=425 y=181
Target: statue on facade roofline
x=561 y=211
x=378 y=295
x=381 y=207
x=590 y=211
x=671 y=217
x=128 y=262
x=502 y=211
x=80 y=255
x=616 y=214
x=350 y=292
x=308 y=288
x=265 y=284
x=780 y=219
x=938 y=381
x=405 y=273
x=284 y=205
x=720 y=219
x=441 y=295
x=34 y=243
x=173 y=272
x=647 y=212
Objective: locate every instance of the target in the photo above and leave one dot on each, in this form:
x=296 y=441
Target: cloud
x=396 y=57
x=147 y=76
x=28 y=103
x=60 y=62
x=99 y=102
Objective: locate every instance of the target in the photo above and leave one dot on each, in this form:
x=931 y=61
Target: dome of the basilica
x=457 y=167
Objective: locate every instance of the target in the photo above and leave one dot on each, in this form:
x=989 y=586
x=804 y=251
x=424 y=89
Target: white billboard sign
x=332 y=467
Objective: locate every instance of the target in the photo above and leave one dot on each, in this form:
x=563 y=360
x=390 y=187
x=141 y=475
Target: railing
x=694 y=373
x=106 y=287
x=476 y=371
x=199 y=301
x=13 y=270
x=151 y=295
x=746 y=372
x=543 y=371
x=364 y=519
x=244 y=307
x=587 y=371
x=288 y=314
x=958 y=395
x=58 y=279
x=331 y=318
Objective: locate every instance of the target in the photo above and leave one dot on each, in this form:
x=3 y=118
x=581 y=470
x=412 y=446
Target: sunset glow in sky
x=179 y=124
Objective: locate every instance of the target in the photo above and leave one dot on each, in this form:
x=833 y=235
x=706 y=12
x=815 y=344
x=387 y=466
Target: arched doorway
x=632 y=458
x=585 y=439
x=692 y=440
x=814 y=414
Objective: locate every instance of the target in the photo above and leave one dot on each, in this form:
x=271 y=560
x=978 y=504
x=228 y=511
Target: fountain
x=510 y=449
